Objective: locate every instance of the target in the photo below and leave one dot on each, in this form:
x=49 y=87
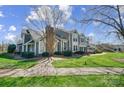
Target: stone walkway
x=45 y=68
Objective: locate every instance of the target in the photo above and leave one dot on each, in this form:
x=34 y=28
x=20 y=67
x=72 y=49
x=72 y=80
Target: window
x=80 y=49
x=74 y=48
x=64 y=46
x=59 y=46
x=81 y=39
x=75 y=39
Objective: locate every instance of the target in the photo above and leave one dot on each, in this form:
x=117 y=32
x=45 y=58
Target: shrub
x=27 y=54
x=18 y=53
x=58 y=53
x=79 y=52
x=67 y=53
x=11 y=48
x=45 y=54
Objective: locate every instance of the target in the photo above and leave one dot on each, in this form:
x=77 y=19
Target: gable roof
x=74 y=31
x=62 y=33
x=36 y=35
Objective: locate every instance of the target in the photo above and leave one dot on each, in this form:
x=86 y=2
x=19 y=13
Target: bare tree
x=107 y=16
x=46 y=19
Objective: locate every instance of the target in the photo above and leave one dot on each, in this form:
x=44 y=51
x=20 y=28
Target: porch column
x=23 y=37
x=69 y=45
x=22 y=48
x=26 y=48
x=60 y=45
x=39 y=47
x=34 y=47
x=63 y=45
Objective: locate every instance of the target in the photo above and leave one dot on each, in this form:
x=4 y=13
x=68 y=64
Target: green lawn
x=105 y=60
x=7 y=62
x=64 y=81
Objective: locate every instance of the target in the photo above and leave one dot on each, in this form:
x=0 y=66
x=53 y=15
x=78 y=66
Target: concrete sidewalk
x=45 y=68
x=42 y=71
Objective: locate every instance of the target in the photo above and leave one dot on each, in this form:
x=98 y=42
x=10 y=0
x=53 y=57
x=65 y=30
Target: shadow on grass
x=11 y=56
x=6 y=56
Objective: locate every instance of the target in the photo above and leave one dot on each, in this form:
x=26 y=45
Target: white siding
x=41 y=47
x=75 y=42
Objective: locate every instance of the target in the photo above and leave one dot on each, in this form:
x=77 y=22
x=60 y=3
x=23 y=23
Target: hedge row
x=27 y=54
x=46 y=54
x=65 y=53
x=69 y=53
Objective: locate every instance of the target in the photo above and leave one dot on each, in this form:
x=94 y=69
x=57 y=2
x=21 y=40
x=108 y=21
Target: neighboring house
x=111 y=47
x=3 y=47
x=33 y=41
x=118 y=48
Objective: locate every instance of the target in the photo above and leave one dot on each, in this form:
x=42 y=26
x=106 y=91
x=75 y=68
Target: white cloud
x=71 y=21
x=60 y=25
x=67 y=10
x=10 y=37
x=1 y=14
x=32 y=16
x=1 y=27
x=96 y=23
x=43 y=11
x=91 y=35
x=48 y=16
x=83 y=9
x=12 y=28
x=121 y=9
x=64 y=7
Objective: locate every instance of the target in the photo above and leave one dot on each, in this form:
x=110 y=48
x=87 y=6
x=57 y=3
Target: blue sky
x=12 y=19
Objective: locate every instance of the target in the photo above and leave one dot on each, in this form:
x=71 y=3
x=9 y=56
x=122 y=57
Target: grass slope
x=64 y=81
x=7 y=62
x=105 y=60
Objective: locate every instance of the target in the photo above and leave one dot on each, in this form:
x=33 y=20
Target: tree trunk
x=50 y=40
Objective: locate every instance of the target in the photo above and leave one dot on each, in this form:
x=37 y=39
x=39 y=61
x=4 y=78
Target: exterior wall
x=19 y=48
x=75 y=43
x=31 y=48
x=118 y=48
x=64 y=45
x=23 y=38
x=41 y=47
x=61 y=45
x=83 y=43
x=27 y=38
x=57 y=45
x=37 y=48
